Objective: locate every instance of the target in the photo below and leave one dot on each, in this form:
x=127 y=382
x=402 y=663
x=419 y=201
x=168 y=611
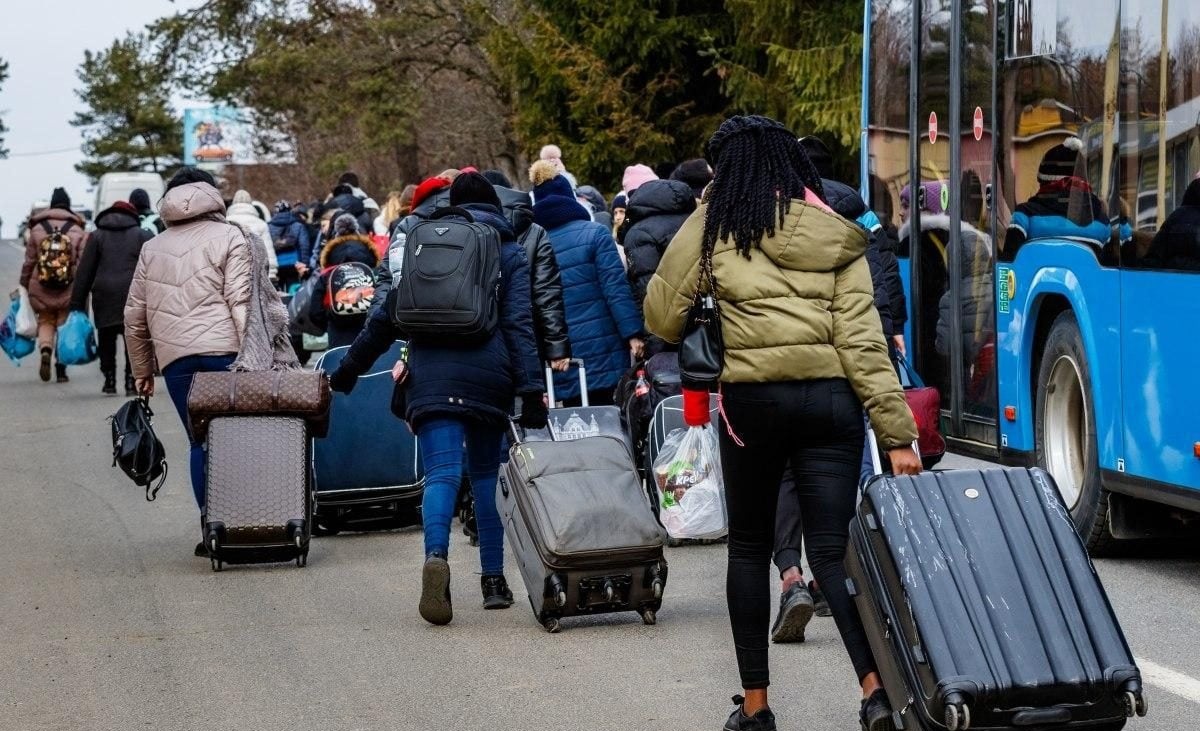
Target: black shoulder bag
x=702 y=348
x=136 y=449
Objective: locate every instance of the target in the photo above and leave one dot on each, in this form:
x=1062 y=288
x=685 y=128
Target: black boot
x=496 y=594
x=60 y=372
x=44 y=369
x=130 y=386
x=876 y=713
x=435 y=606
x=110 y=384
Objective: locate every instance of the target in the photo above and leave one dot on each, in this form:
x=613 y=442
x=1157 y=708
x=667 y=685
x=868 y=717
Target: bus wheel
x=1066 y=431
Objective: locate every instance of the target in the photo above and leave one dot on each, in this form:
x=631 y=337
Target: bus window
x=1052 y=171
x=1160 y=145
x=888 y=133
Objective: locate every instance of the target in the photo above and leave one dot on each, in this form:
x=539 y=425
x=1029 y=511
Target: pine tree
x=128 y=123
x=798 y=61
x=612 y=82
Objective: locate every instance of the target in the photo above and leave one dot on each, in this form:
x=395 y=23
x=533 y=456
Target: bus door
x=952 y=257
x=1159 y=233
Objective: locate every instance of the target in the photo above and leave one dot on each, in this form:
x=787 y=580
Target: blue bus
x=1036 y=161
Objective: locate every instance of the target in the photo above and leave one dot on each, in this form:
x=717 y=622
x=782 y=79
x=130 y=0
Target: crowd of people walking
x=810 y=306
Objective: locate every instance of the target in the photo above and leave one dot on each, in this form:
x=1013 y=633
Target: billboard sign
x=215 y=136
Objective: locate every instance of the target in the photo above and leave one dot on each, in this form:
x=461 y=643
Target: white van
x=115 y=187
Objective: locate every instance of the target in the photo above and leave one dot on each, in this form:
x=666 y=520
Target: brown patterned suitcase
x=298 y=393
x=258 y=498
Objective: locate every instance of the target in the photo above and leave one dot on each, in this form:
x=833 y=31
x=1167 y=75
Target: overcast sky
x=43 y=43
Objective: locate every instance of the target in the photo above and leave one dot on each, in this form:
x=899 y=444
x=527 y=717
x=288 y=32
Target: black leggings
x=817 y=426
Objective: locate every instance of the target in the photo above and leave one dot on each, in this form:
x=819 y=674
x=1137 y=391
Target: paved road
x=108 y=622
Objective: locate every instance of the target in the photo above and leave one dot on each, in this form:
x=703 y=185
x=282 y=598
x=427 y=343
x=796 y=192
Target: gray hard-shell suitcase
x=581 y=529
x=258 y=499
x=982 y=608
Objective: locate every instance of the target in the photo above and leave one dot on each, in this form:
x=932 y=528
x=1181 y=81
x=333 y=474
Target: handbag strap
x=275 y=383
x=705 y=279
x=914 y=378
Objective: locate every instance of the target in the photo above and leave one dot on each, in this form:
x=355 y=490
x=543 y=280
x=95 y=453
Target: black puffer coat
x=107 y=265
x=881 y=255
x=1176 y=246
x=654 y=213
x=549 y=312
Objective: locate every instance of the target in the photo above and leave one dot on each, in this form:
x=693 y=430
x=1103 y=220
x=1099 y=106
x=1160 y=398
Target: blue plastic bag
x=15 y=346
x=77 y=340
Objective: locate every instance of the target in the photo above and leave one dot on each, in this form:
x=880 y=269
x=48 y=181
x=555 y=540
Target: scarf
x=266 y=345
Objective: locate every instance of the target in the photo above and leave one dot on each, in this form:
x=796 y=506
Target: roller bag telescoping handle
x=876 y=458
x=583 y=387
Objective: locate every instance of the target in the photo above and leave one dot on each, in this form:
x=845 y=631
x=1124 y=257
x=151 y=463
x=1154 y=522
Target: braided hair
x=760 y=168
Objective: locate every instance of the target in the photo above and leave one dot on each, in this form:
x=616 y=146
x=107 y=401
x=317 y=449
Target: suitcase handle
x=873 y=446
x=583 y=389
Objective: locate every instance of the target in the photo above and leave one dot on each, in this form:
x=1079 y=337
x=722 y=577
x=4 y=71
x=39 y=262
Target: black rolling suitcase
x=367 y=471
x=982 y=607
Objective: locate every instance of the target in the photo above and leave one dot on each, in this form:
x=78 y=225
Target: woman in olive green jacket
x=804 y=353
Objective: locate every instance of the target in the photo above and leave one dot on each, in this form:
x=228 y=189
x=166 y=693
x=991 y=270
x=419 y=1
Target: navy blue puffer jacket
x=601 y=314
x=475 y=382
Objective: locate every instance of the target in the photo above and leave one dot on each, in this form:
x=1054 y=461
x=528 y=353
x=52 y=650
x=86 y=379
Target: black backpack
x=136 y=449
x=449 y=286
x=282 y=239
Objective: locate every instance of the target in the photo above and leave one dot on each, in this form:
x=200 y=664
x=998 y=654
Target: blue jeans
x=442 y=442
x=178 y=376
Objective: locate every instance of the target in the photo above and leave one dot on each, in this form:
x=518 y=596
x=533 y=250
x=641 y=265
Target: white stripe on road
x=15 y=244
x=1172 y=681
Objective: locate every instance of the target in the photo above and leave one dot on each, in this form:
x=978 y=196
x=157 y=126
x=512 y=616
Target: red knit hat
x=125 y=206
x=428 y=187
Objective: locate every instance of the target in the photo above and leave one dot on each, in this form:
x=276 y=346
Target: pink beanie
x=635 y=175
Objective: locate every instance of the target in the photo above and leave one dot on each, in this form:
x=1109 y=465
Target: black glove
x=534 y=413
x=342 y=380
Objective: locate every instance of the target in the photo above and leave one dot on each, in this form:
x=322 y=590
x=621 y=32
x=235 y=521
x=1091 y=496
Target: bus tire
x=1065 y=432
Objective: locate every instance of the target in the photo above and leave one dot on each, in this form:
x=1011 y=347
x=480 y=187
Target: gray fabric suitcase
x=582 y=531
x=258 y=500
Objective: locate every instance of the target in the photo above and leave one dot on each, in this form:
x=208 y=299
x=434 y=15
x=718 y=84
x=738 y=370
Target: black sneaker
x=876 y=713
x=764 y=720
x=130 y=386
x=795 y=610
x=110 y=384
x=60 y=372
x=200 y=551
x=820 y=603
x=44 y=369
x=435 y=605
x=496 y=594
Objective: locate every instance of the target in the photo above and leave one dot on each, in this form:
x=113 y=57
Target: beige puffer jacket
x=191 y=287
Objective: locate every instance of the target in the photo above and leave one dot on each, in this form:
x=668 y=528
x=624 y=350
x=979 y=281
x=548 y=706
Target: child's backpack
x=55 y=265
x=351 y=289
x=449 y=286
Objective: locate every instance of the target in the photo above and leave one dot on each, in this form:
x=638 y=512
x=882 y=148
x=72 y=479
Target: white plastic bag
x=27 y=325
x=687 y=473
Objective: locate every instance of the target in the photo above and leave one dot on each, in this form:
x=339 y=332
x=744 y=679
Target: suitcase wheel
x=216 y=564
x=552 y=625
x=958 y=716
x=560 y=599
x=1135 y=704
x=649 y=616
x=657 y=589
x=302 y=559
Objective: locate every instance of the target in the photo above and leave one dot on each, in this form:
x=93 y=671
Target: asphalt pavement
x=107 y=621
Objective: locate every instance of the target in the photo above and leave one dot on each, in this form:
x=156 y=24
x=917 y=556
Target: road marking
x=15 y=244
x=1172 y=681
